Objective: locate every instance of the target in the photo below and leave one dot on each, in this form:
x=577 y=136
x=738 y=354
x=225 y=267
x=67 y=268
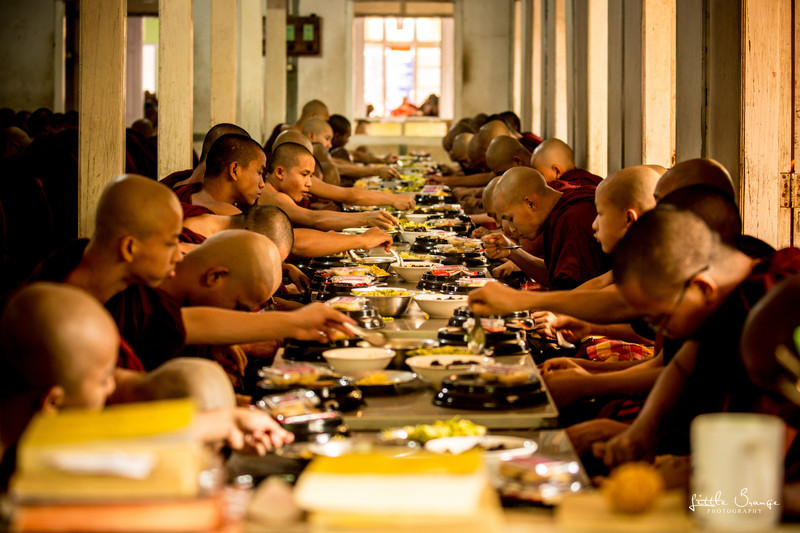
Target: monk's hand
x=633 y=444
x=494 y=244
x=387 y=173
x=296 y=276
x=403 y=202
x=567 y=386
x=558 y=363
x=505 y=270
x=381 y=219
x=480 y=231
x=374 y=237
x=585 y=434
x=256 y=431
x=495 y=299
x=318 y=322
x=390 y=158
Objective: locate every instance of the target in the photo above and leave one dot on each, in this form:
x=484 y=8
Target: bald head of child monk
x=290 y=170
x=768 y=345
x=460 y=151
x=552 y=159
x=318 y=131
x=700 y=171
x=487 y=197
x=137 y=226
x=480 y=143
x=505 y=152
x=292 y=136
x=523 y=200
x=621 y=199
x=716 y=208
x=342 y=130
x=462 y=126
x=235 y=169
x=314 y=109
x=233 y=269
x=676 y=271
x=270 y=221
x=217 y=131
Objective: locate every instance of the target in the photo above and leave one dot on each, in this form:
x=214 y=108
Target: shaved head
x=270 y=221
x=287 y=156
x=490 y=130
x=218 y=131
x=228 y=149
x=461 y=126
x=292 y=136
x=487 y=198
x=135 y=205
x=630 y=188
x=699 y=171
x=316 y=126
x=519 y=182
x=56 y=335
x=202 y=380
x=460 y=151
x=553 y=158
x=663 y=249
x=315 y=108
x=505 y=152
x=712 y=205
x=248 y=262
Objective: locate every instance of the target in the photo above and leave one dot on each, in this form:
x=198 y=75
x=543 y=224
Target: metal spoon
x=476 y=338
x=397 y=256
x=375 y=338
x=562 y=341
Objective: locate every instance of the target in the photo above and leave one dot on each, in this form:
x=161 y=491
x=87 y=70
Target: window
x=400 y=62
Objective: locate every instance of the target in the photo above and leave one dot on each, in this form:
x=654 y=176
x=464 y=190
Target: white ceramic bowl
x=418 y=217
x=412 y=271
x=411 y=236
x=440 y=305
x=349 y=360
x=427 y=368
x=505 y=447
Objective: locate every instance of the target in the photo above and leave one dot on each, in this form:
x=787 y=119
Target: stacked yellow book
x=386 y=491
x=134 y=467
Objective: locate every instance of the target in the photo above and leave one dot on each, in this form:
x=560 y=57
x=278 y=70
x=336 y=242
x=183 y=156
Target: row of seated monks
x=673 y=310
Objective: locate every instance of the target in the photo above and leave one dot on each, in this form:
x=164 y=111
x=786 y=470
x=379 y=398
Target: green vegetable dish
x=455 y=427
x=441 y=350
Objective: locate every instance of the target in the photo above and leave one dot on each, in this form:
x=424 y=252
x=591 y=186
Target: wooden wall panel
x=597 y=87
x=224 y=41
x=658 y=82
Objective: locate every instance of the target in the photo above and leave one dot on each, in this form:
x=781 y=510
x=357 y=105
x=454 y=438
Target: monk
x=342 y=130
x=185 y=177
x=505 y=152
x=138 y=222
x=476 y=154
x=234 y=176
x=459 y=151
x=289 y=179
x=529 y=207
x=59 y=350
x=675 y=271
x=554 y=160
x=462 y=126
x=695 y=172
x=326 y=165
x=318 y=131
x=311 y=109
x=302 y=242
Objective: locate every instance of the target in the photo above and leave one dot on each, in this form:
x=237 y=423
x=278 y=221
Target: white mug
x=737 y=471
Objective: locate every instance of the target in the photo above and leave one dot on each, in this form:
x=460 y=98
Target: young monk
x=59 y=351
x=676 y=272
x=138 y=222
x=289 y=179
x=234 y=176
x=318 y=131
x=505 y=152
x=185 y=177
x=476 y=153
x=325 y=165
x=459 y=152
x=311 y=109
x=555 y=161
x=529 y=207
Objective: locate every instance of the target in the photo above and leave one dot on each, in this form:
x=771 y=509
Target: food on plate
x=633 y=488
x=291 y=375
x=346 y=303
x=415 y=257
x=452 y=363
x=374 y=379
x=455 y=427
x=386 y=292
x=349 y=271
x=377 y=271
x=505 y=375
x=441 y=350
x=464 y=242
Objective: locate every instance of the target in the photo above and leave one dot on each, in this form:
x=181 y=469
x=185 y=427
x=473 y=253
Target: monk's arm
x=312 y=243
x=351 y=170
x=353 y=195
x=211 y=325
x=472 y=180
x=322 y=219
x=600 y=282
x=530 y=265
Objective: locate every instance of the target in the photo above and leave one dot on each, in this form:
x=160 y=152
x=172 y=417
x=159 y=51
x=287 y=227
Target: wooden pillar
x=251 y=68
x=275 y=67
x=560 y=118
x=615 y=87
x=658 y=82
x=101 y=103
x=690 y=79
x=174 y=86
x=597 y=87
x=224 y=40
x=764 y=131
x=134 y=96
x=537 y=125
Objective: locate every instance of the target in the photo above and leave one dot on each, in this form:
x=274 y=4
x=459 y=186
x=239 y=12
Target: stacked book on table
x=133 y=468
x=389 y=491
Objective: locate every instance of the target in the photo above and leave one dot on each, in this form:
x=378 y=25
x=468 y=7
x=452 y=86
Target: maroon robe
x=577 y=177
x=530 y=140
x=571 y=252
x=176 y=177
x=185 y=192
x=187 y=235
